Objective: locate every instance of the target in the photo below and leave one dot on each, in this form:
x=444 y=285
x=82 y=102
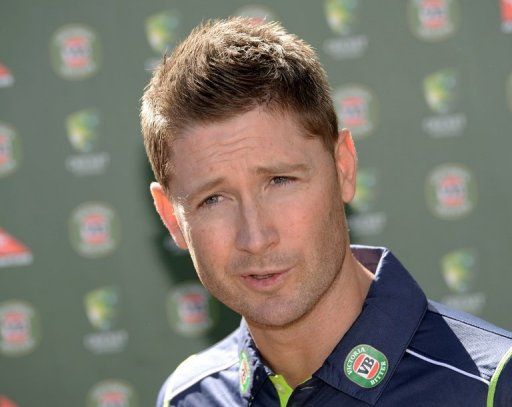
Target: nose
x=256 y=232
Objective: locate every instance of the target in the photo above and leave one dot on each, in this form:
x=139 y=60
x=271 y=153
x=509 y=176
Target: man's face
x=260 y=207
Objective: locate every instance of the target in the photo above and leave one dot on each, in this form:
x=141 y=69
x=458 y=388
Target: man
x=253 y=174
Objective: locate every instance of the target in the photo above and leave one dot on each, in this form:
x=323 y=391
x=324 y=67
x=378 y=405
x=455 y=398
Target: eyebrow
x=278 y=168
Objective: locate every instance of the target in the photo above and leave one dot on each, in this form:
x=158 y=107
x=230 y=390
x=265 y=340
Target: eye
x=281 y=180
x=211 y=200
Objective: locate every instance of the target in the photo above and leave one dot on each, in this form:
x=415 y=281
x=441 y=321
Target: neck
x=297 y=350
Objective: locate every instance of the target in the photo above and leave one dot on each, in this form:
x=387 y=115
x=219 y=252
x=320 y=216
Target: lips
x=265 y=280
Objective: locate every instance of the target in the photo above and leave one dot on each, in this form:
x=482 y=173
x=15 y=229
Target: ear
x=346 y=164
x=166 y=211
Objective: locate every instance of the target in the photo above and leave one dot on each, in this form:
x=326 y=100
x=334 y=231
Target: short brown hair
x=225 y=68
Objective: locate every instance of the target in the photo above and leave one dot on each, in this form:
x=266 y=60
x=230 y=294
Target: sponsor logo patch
x=366 y=366
x=6 y=78
x=191 y=309
x=343 y=17
x=10 y=150
x=95 y=229
x=451 y=191
x=433 y=20
x=20 y=330
x=83 y=135
x=244 y=373
x=75 y=52
x=12 y=251
x=112 y=393
x=357 y=109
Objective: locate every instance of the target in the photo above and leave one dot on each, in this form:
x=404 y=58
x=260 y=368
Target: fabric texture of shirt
x=402 y=350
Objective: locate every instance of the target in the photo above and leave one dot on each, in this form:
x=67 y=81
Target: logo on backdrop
x=190 y=309
x=75 y=52
x=433 y=20
x=20 y=330
x=451 y=191
x=6 y=78
x=162 y=30
x=343 y=18
x=506 y=16
x=366 y=366
x=257 y=13
x=5 y=402
x=13 y=252
x=459 y=269
x=83 y=135
x=365 y=221
x=95 y=229
x=357 y=109
x=442 y=94
x=112 y=393
x=102 y=310
x=10 y=149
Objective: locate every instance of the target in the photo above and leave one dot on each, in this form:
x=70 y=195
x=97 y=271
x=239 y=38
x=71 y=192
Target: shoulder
x=469 y=346
x=189 y=375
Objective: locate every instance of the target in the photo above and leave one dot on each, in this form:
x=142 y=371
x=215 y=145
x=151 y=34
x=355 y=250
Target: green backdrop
x=97 y=306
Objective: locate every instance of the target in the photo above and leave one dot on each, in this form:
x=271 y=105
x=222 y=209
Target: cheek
x=210 y=239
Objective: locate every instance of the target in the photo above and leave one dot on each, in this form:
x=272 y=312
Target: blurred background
x=97 y=306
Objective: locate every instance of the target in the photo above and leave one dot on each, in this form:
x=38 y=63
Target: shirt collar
x=391 y=314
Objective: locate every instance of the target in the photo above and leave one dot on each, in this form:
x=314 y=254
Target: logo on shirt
x=75 y=52
x=244 y=372
x=433 y=20
x=366 y=366
x=19 y=328
x=111 y=393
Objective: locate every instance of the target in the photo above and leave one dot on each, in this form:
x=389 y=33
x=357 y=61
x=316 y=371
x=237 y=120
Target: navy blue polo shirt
x=402 y=350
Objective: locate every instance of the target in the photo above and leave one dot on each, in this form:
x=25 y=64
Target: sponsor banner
x=433 y=20
x=162 y=30
x=357 y=109
x=13 y=252
x=366 y=366
x=451 y=191
x=459 y=269
x=257 y=13
x=75 y=52
x=83 y=135
x=343 y=17
x=10 y=149
x=95 y=229
x=6 y=78
x=190 y=309
x=102 y=309
x=20 y=329
x=112 y=393
x=441 y=90
x=506 y=16
x=5 y=402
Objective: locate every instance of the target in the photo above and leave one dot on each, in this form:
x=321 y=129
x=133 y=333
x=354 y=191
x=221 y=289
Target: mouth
x=265 y=280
